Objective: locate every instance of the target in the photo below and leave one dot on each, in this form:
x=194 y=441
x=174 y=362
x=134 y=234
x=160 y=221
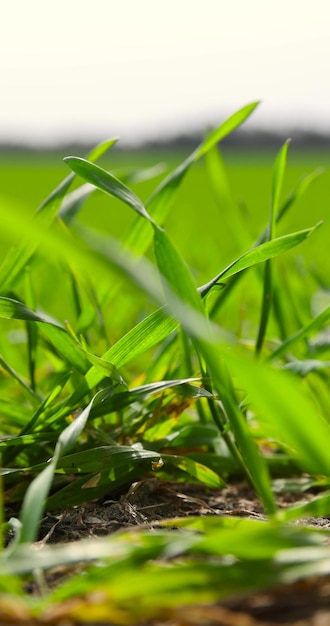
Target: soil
x=305 y=603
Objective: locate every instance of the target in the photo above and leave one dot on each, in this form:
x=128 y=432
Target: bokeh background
x=78 y=71
x=158 y=75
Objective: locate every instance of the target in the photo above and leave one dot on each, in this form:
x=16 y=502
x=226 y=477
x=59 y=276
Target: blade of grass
x=108 y=183
x=173 y=268
x=297 y=192
x=34 y=500
x=31 y=329
x=152 y=330
x=114 y=402
x=32 y=394
x=231 y=219
x=57 y=335
x=161 y=200
x=262 y=253
x=296 y=423
x=314 y=325
x=267 y=297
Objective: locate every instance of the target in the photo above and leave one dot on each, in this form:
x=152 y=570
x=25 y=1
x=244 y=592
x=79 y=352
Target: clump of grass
x=84 y=416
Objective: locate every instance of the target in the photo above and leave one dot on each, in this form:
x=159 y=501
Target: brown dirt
x=306 y=603
x=151 y=500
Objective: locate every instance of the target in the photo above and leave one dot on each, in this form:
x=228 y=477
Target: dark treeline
x=240 y=140
x=243 y=139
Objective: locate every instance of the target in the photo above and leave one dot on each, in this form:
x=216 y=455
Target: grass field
x=197 y=352
x=249 y=174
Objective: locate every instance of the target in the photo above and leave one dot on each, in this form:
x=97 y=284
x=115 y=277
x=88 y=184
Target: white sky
x=80 y=69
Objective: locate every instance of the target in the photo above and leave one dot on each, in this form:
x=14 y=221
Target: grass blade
x=60 y=339
x=307 y=438
x=260 y=254
x=34 y=500
x=160 y=201
x=108 y=183
x=316 y=324
x=179 y=279
x=297 y=192
x=143 y=336
x=277 y=183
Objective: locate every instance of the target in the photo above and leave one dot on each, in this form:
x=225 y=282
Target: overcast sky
x=80 y=69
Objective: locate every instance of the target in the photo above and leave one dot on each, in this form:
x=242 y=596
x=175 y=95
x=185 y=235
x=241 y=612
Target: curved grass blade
x=260 y=254
x=73 y=201
x=225 y=129
x=108 y=183
x=116 y=402
x=160 y=201
x=112 y=467
x=14 y=309
x=57 y=335
x=198 y=471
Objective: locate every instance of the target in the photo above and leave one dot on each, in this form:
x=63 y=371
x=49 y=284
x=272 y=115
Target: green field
x=168 y=324
x=30 y=180
x=197 y=214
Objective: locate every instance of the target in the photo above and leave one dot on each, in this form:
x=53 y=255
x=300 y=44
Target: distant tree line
x=241 y=139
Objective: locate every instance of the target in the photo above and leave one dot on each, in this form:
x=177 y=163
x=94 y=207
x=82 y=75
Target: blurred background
x=159 y=75
x=75 y=72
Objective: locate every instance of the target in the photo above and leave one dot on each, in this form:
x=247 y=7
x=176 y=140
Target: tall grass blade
x=231 y=219
x=161 y=200
x=174 y=269
x=179 y=279
x=297 y=192
x=277 y=183
x=31 y=329
x=225 y=129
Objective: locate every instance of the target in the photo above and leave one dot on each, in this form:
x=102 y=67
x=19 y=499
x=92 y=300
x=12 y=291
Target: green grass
x=206 y=286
